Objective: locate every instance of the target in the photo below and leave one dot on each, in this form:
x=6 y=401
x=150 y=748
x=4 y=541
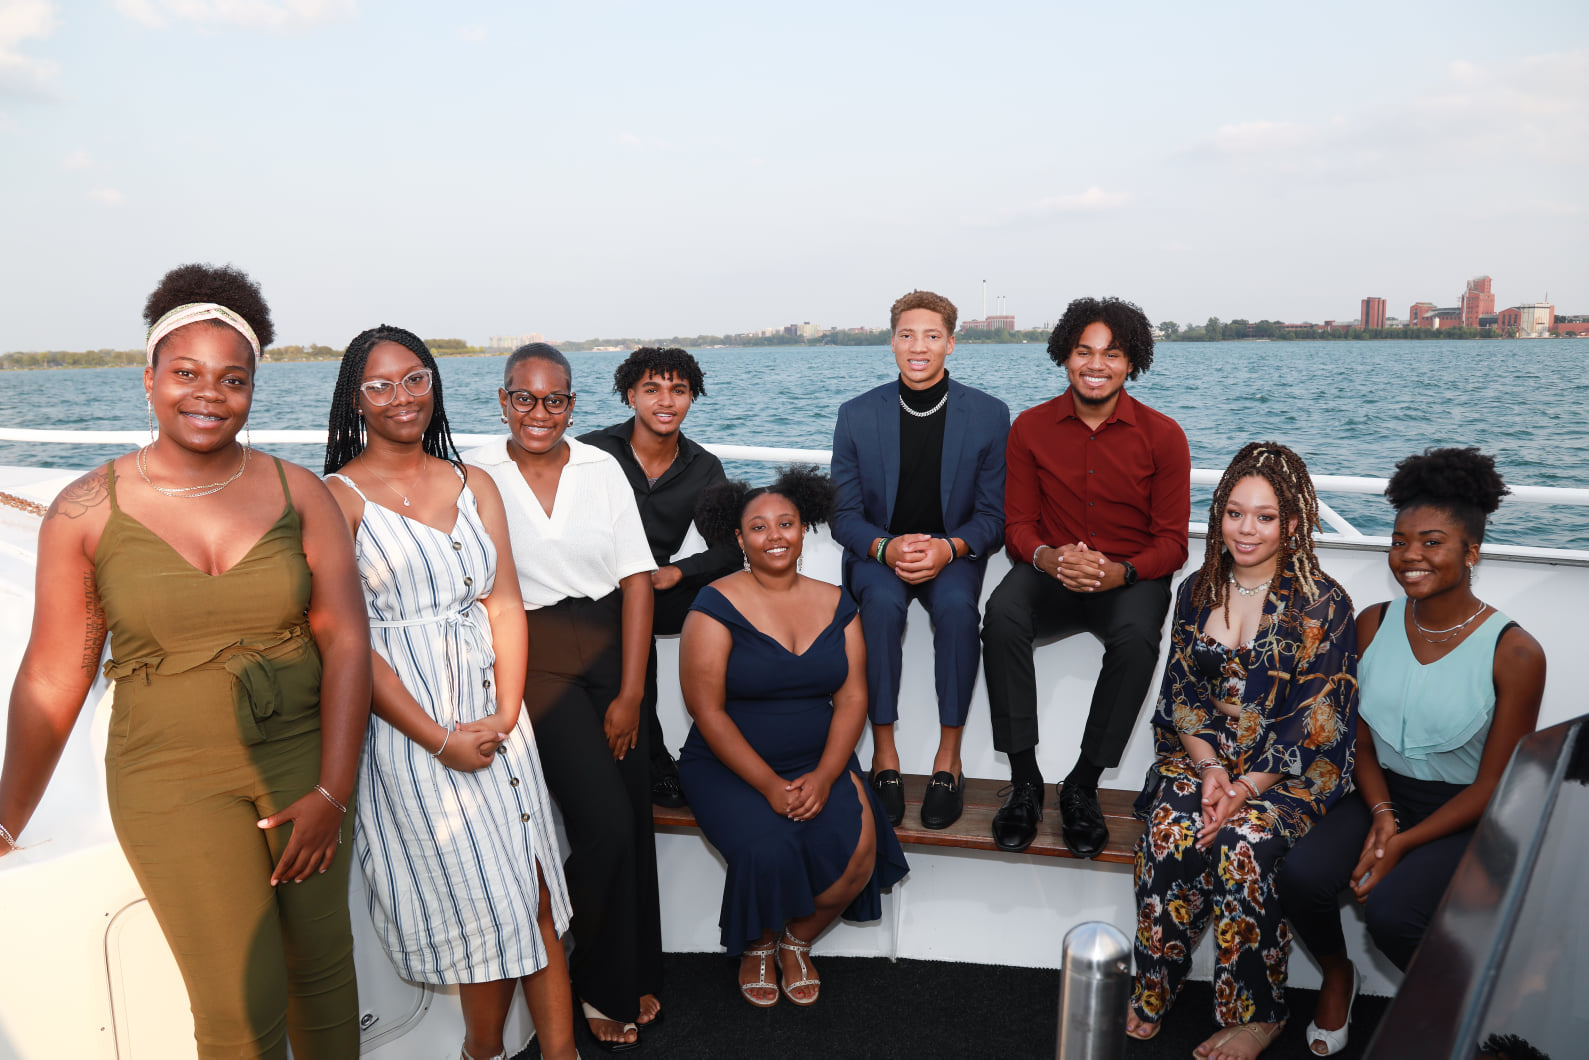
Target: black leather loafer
x=1081 y=821
x=944 y=800
x=665 y=787
x=1015 y=825
x=890 y=788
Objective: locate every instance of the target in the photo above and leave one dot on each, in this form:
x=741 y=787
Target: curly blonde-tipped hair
x=1287 y=474
x=937 y=303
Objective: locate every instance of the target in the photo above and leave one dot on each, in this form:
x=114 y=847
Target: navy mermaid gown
x=783 y=704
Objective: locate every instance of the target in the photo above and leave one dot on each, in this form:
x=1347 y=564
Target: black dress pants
x=1400 y=907
x=1029 y=606
x=575 y=671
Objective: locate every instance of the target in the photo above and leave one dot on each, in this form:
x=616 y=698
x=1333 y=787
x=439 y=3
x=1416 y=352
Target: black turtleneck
x=918 y=506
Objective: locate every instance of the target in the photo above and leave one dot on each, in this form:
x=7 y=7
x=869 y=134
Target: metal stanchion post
x=1094 y=988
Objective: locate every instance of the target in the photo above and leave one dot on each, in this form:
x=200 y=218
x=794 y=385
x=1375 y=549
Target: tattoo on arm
x=93 y=625
x=77 y=499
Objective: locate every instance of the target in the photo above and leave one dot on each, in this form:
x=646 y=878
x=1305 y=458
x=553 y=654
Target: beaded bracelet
x=9 y=838
x=882 y=548
x=1250 y=786
x=330 y=798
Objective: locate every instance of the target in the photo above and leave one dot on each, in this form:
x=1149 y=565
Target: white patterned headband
x=192 y=313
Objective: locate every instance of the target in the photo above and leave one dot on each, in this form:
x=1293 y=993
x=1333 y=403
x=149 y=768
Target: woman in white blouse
x=584 y=572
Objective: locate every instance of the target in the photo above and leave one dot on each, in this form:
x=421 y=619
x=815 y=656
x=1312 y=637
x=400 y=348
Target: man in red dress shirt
x=1096 y=502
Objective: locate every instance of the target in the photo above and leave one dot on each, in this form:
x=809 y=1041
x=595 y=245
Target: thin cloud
x=472 y=34
x=276 y=16
x=1535 y=108
x=22 y=21
x=107 y=196
x=77 y=160
x=1093 y=200
x=625 y=138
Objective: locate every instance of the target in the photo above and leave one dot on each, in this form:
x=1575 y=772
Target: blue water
x=1350 y=408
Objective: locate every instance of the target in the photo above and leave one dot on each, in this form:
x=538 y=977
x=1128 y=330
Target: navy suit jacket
x=866 y=465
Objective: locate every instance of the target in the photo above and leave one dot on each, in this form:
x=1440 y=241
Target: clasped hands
x=1380 y=854
x=1079 y=568
x=800 y=799
x=1222 y=796
x=918 y=558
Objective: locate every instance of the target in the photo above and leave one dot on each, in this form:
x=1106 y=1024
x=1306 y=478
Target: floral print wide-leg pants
x=1179 y=888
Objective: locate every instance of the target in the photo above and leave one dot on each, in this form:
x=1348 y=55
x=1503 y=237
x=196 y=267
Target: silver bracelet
x=9 y=838
x=1035 y=551
x=1249 y=785
x=330 y=798
x=437 y=752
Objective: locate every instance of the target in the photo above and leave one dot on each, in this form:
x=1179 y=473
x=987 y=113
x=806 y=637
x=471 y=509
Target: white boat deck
x=86 y=973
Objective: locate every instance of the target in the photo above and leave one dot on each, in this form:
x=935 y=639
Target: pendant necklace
x=391 y=487
x=1444 y=634
x=187 y=492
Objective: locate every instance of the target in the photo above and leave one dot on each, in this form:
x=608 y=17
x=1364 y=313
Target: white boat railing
x=1340 y=527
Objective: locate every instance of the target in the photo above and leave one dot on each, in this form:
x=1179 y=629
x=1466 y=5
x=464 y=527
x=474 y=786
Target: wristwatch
x=1131 y=572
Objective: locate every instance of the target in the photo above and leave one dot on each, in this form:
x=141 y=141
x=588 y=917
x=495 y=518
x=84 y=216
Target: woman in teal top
x=1448 y=685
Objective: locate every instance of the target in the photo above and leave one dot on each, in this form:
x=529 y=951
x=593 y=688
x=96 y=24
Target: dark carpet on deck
x=875 y=1008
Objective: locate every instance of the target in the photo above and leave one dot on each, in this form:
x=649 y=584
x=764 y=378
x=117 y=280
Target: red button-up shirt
x=1124 y=489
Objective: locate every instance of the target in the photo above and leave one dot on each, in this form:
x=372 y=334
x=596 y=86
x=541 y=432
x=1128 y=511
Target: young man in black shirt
x=667 y=472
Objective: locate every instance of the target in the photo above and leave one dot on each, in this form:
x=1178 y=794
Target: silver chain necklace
x=1444 y=634
x=923 y=415
x=188 y=492
x=391 y=487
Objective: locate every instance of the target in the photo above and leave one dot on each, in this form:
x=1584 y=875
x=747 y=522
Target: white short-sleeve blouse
x=592 y=540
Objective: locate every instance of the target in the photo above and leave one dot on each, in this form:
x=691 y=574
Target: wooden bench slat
x=974 y=830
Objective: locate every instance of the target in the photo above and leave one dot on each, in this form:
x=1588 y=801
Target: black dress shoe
x=944 y=800
x=1081 y=821
x=890 y=788
x=665 y=787
x=1015 y=825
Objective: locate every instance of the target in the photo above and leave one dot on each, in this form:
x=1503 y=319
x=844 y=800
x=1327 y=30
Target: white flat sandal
x=808 y=976
x=1333 y=1041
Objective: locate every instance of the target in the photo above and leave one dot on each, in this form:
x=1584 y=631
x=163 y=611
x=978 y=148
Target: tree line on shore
x=1216 y=330
x=123 y=358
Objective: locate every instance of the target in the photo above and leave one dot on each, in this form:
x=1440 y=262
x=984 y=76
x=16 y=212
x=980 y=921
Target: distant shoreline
x=56 y=360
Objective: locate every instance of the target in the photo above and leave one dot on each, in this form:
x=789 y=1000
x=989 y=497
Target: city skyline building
x=1477 y=300
x=1373 y=313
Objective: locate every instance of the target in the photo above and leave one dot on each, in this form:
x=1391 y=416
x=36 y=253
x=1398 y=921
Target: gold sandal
x=1263 y=1034
x=762 y=982
x=808 y=976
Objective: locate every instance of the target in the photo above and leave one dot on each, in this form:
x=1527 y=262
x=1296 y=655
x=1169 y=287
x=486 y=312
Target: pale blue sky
x=476 y=168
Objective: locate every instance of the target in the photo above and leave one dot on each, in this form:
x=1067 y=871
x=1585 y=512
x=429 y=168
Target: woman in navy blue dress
x=772 y=666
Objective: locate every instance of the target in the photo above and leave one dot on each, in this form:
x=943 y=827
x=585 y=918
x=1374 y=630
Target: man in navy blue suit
x=919 y=467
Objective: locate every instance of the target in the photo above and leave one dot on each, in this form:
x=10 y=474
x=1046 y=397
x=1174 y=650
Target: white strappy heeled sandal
x=1333 y=1041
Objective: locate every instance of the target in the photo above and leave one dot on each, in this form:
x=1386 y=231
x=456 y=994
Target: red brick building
x=1373 y=313
x=1477 y=301
x=1421 y=315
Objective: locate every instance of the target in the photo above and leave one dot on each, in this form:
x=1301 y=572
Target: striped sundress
x=449 y=858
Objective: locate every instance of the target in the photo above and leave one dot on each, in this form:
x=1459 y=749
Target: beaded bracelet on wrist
x=10 y=840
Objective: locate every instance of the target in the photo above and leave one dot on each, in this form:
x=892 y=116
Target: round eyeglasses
x=384 y=391
x=524 y=401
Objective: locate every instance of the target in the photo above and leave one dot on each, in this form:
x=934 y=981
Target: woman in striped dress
x=454 y=831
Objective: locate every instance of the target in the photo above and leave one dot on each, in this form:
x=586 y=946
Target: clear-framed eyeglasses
x=525 y=401
x=384 y=391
